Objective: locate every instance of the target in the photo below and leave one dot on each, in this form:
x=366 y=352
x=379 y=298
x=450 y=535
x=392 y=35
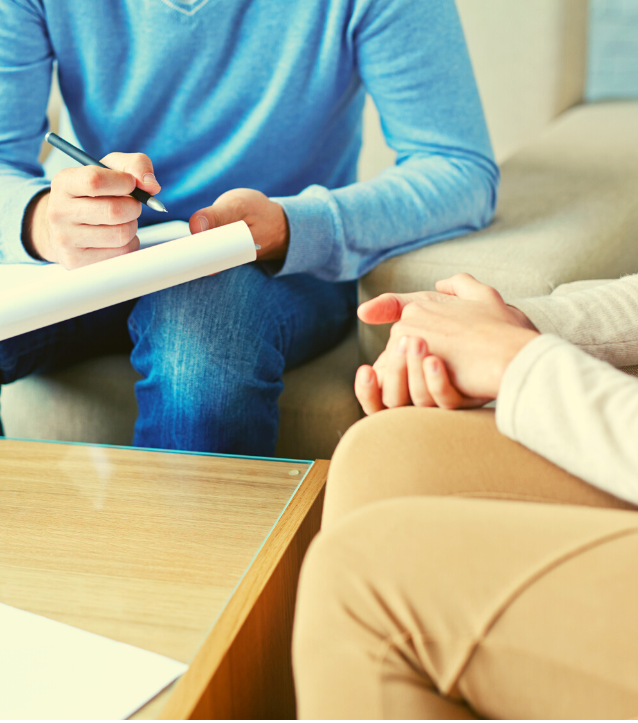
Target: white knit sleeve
x=603 y=321
x=577 y=411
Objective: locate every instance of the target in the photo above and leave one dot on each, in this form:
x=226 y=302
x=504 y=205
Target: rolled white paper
x=34 y=296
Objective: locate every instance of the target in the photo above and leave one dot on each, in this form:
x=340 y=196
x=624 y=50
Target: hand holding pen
x=89 y=214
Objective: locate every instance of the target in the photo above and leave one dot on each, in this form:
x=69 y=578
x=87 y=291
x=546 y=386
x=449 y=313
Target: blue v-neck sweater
x=264 y=94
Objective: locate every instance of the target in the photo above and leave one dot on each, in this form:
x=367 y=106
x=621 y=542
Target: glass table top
x=141 y=546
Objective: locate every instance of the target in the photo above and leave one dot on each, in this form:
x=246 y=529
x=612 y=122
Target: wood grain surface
x=145 y=547
x=243 y=670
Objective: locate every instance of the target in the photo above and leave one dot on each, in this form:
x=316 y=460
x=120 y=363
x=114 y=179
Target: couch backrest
x=529 y=58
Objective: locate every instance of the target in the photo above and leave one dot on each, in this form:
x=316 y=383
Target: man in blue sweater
x=242 y=109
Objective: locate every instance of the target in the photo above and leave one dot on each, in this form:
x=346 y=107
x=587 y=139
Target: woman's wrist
x=508 y=348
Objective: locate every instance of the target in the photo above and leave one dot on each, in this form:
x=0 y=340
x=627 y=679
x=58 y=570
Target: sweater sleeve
x=577 y=411
x=413 y=60
x=26 y=61
x=603 y=320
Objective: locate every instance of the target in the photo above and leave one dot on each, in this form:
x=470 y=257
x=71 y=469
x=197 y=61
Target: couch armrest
x=568 y=210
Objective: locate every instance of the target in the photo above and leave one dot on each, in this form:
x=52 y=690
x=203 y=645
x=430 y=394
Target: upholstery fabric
x=89 y=402
x=94 y=402
x=318 y=404
x=535 y=46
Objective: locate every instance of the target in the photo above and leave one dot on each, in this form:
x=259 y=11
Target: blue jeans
x=211 y=353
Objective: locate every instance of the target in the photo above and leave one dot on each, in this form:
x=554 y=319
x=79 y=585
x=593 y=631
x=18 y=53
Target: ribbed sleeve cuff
x=12 y=216
x=516 y=377
x=312 y=233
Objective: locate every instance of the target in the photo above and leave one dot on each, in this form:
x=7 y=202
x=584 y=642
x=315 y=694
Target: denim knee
x=209 y=354
x=191 y=329
x=212 y=354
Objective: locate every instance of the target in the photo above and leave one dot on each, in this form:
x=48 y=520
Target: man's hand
x=265 y=219
x=467 y=326
x=88 y=215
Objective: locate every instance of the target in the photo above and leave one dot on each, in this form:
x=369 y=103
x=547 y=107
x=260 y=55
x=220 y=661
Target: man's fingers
x=110 y=211
x=417 y=349
x=139 y=165
x=103 y=237
x=367 y=390
x=465 y=286
x=443 y=392
x=93 y=181
x=74 y=259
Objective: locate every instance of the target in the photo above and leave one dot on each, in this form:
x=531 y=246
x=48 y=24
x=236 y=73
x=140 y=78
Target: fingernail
x=417 y=347
x=434 y=365
x=402 y=346
x=150 y=178
x=203 y=223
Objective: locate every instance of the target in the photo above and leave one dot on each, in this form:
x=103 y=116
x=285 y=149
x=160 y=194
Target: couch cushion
x=89 y=402
x=318 y=403
x=94 y=402
x=568 y=210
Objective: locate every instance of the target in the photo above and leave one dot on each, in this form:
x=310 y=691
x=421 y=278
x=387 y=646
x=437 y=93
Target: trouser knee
x=371 y=462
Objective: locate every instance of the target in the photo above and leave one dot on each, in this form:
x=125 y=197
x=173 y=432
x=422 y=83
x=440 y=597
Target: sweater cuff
x=312 y=232
x=12 y=250
x=516 y=376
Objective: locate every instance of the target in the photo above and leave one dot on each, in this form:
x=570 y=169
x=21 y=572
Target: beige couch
x=568 y=210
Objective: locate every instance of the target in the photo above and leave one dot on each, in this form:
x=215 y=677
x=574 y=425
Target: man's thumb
x=225 y=210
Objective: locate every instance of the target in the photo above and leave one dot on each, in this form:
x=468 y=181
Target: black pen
x=86 y=160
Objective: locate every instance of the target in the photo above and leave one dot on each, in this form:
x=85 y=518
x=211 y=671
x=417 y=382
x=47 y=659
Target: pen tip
x=156 y=205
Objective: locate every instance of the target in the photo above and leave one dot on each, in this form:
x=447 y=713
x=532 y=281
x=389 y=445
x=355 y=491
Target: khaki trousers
x=433 y=592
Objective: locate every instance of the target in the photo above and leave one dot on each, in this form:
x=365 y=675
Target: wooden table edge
x=191 y=687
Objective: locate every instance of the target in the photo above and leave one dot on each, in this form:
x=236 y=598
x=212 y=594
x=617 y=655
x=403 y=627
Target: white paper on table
x=34 y=295
x=52 y=670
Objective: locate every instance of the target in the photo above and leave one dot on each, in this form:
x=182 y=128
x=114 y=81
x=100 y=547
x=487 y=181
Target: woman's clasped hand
x=448 y=348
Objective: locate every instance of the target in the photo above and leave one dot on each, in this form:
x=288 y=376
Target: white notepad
x=34 y=295
x=49 y=670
